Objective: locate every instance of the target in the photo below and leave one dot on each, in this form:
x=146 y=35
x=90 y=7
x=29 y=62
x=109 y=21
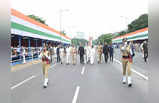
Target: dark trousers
x=145 y=56
x=58 y=58
x=111 y=57
x=51 y=58
x=106 y=57
x=81 y=59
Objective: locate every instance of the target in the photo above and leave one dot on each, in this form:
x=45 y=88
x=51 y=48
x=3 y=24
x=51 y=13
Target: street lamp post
x=60 y=20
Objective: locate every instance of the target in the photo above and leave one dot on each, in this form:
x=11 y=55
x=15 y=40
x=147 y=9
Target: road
x=98 y=83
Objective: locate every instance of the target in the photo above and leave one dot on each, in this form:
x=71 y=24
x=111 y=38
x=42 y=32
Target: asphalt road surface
x=98 y=83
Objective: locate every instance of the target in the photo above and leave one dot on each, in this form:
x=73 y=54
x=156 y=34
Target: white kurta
x=68 y=57
x=92 y=55
x=87 y=53
x=24 y=55
x=62 y=54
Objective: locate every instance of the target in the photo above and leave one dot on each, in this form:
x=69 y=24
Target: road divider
x=133 y=70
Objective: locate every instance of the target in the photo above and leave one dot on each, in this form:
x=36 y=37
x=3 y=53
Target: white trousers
x=68 y=59
x=87 y=57
x=92 y=59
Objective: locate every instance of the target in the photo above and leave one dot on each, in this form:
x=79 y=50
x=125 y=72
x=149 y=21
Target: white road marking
x=133 y=70
x=26 y=80
x=76 y=94
x=83 y=70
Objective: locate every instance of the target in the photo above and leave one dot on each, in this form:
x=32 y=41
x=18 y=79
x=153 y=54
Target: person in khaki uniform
x=100 y=51
x=45 y=56
x=126 y=61
x=73 y=53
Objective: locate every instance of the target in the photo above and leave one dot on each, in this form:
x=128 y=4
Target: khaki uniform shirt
x=100 y=49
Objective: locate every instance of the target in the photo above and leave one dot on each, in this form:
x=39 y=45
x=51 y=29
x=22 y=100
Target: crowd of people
x=69 y=54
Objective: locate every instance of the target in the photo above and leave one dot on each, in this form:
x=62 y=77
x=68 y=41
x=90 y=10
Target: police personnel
x=73 y=53
x=126 y=61
x=100 y=51
x=45 y=55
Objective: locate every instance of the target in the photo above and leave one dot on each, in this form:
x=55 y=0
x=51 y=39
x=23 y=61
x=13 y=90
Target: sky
x=84 y=18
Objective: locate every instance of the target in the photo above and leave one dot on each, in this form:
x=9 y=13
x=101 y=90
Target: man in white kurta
x=68 y=52
x=62 y=55
x=92 y=55
x=87 y=53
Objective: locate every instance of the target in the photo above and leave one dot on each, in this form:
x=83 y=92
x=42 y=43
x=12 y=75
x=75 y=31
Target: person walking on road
x=126 y=61
x=100 y=51
x=145 y=50
x=45 y=55
x=92 y=54
x=74 y=54
x=51 y=52
x=111 y=52
x=105 y=52
x=87 y=49
x=81 y=52
x=58 y=54
x=68 y=52
x=62 y=54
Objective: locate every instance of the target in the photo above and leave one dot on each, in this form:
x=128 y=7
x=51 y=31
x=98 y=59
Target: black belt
x=126 y=57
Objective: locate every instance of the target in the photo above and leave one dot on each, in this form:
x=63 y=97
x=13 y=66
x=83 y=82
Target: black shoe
x=124 y=82
x=44 y=86
x=129 y=85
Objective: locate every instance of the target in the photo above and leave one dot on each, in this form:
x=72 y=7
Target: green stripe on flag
x=28 y=29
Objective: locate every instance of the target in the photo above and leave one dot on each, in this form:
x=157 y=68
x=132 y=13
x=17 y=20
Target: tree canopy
x=76 y=41
x=104 y=38
x=139 y=23
x=39 y=19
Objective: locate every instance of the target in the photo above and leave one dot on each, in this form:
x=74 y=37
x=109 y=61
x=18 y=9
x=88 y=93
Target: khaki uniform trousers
x=126 y=66
x=45 y=68
x=73 y=58
x=99 y=57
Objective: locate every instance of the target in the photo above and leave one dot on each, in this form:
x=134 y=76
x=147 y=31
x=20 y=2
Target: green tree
x=37 y=19
x=104 y=38
x=76 y=41
x=139 y=23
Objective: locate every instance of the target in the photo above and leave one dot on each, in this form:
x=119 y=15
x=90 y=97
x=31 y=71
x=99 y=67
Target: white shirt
x=92 y=51
x=41 y=54
x=55 y=49
x=68 y=50
x=61 y=51
x=87 y=49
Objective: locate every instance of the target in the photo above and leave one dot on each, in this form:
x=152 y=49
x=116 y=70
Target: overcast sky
x=84 y=17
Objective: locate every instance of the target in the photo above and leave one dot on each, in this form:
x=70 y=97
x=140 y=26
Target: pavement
x=97 y=83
